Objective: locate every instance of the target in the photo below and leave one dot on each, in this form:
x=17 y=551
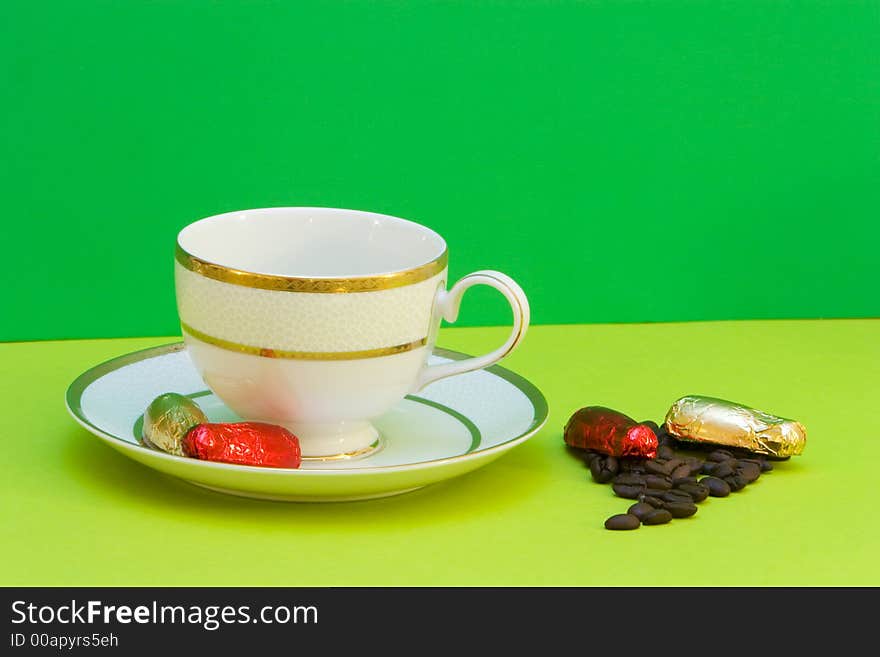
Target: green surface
x=627 y=150
x=76 y=512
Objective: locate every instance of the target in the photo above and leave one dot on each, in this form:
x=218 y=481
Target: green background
x=625 y=161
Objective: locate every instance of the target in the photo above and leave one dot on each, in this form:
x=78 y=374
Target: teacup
x=321 y=319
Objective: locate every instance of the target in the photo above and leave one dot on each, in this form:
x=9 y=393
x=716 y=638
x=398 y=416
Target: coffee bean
x=600 y=473
x=676 y=495
x=720 y=455
x=590 y=456
x=657 y=517
x=640 y=510
x=741 y=478
x=698 y=492
x=684 y=470
x=596 y=468
x=668 y=486
x=632 y=465
x=717 y=487
x=657 y=466
x=605 y=477
x=657 y=482
x=663 y=466
x=628 y=492
x=748 y=470
x=681 y=509
x=771 y=457
x=622 y=521
x=736 y=482
x=653 y=500
x=629 y=478
x=695 y=465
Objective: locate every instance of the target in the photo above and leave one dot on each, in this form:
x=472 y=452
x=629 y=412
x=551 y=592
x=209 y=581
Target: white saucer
x=453 y=426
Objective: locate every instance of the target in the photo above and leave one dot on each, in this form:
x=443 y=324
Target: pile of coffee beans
x=672 y=484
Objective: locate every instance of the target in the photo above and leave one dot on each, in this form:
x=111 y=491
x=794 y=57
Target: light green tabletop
x=75 y=512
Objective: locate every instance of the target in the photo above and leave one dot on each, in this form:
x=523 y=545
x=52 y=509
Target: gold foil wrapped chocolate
x=167 y=419
x=719 y=422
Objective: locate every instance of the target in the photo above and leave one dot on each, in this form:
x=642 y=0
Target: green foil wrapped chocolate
x=168 y=418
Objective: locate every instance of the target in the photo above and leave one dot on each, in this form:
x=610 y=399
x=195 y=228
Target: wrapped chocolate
x=719 y=422
x=244 y=443
x=167 y=419
x=610 y=432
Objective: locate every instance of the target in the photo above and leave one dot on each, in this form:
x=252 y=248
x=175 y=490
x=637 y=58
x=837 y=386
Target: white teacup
x=321 y=319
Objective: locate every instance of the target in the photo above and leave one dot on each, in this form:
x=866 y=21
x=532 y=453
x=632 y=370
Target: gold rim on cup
x=301 y=355
x=311 y=285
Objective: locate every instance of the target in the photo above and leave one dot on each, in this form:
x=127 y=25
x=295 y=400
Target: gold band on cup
x=315 y=285
x=302 y=355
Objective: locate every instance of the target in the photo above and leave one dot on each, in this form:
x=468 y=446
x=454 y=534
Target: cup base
x=369 y=450
x=337 y=441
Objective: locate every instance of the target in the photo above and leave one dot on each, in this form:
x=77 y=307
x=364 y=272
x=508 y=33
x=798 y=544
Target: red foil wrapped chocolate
x=244 y=443
x=610 y=432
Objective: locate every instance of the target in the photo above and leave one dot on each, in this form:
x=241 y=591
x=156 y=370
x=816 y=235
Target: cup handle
x=448 y=305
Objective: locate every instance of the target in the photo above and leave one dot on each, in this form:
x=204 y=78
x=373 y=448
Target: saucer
x=451 y=427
